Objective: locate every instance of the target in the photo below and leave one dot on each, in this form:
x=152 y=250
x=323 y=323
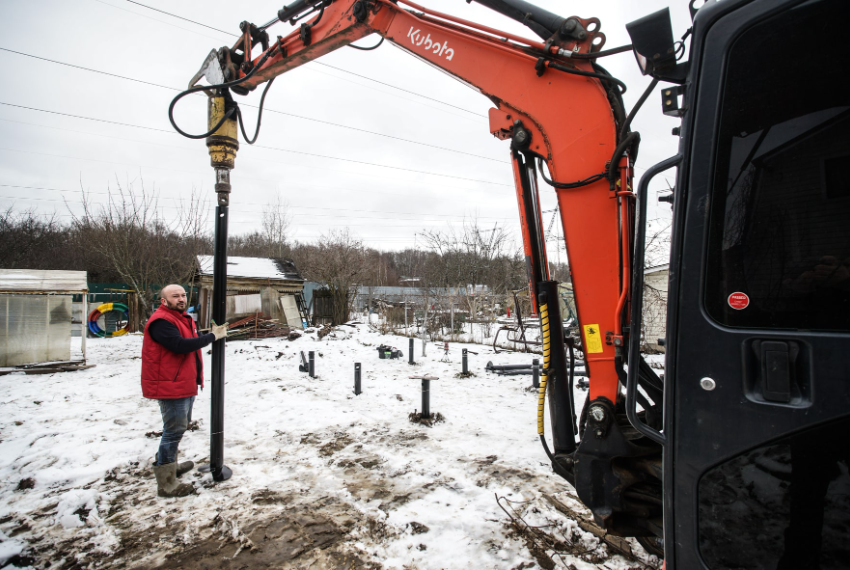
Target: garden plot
x=321 y=478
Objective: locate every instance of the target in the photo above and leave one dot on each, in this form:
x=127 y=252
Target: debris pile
x=256 y=326
x=386 y=351
x=416 y=417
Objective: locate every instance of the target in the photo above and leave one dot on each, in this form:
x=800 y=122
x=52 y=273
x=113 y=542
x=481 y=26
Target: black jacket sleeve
x=167 y=335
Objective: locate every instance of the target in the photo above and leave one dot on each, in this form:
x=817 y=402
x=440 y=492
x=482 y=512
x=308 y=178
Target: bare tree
x=276 y=223
x=338 y=261
x=271 y=240
x=470 y=255
x=142 y=246
x=655 y=291
x=657 y=246
x=31 y=241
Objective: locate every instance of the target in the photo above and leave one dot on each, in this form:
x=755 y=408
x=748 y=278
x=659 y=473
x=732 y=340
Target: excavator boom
x=554 y=107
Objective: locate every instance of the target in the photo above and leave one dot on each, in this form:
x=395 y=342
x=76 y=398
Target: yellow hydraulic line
x=544 y=375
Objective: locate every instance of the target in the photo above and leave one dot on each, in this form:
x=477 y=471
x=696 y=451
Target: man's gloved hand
x=220 y=331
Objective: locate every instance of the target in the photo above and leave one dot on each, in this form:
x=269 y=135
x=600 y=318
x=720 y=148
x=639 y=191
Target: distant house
x=655 y=306
x=254 y=285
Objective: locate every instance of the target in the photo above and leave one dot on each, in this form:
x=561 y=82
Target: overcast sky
x=377 y=141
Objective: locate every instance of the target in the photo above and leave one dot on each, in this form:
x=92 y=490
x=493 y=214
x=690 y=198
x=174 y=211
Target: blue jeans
x=176 y=415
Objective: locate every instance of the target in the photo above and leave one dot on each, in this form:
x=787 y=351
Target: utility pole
x=425 y=325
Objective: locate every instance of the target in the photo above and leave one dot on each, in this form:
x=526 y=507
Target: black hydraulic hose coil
x=226 y=85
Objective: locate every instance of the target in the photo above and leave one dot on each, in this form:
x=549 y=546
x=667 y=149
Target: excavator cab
x=757 y=393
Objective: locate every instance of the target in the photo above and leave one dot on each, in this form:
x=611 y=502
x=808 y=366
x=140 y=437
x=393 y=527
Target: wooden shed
x=272 y=287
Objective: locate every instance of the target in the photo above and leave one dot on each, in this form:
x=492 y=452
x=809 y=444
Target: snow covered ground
x=322 y=478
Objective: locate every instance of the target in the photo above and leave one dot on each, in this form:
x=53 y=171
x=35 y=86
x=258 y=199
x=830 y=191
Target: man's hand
x=220 y=331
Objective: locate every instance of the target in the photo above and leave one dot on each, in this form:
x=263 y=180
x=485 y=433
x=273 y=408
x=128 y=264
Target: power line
x=264 y=205
x=238 y=223
x=178 y=17
x=386 y=135
x=259 y=146
x=268 y=110
x=187 y=148
x=323 y=156
x=155 y=19
x=88 y=69
x=86 y=118
x=239 y=209
x=401 y=89
x=317 y=62
x=302 y=188
x=251 y=223
x=314 y=186
x=400 y=168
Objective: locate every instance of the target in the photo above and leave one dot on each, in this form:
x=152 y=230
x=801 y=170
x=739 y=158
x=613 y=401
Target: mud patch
x=299 y=537
x=489 y=470
x=411 y=438
x=341 y=441
x=367 y=481
x=264 y=529
x=268 y=497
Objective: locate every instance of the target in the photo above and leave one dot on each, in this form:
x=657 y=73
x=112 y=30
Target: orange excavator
x=738 y=458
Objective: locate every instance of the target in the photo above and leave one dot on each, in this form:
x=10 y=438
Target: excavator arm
x=554 y=105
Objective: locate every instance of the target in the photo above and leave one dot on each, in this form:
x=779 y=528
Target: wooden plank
x=50 y=370
x=616 y=543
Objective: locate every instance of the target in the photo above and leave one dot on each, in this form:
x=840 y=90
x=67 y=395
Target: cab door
x=758 y=364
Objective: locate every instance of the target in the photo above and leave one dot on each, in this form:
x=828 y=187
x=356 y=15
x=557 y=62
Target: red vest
x=165 y=374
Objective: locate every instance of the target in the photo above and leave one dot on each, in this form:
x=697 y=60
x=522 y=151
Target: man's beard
x=175 y=307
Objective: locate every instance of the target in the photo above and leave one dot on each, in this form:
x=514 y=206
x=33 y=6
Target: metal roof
x=252 y=268
x=42 y=281
x=391 y=291
x=656 y=269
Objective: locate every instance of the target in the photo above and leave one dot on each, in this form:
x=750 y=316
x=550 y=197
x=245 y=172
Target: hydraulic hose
x=376 y=46
x=544 y=375
x=225 y=85
x=595 y=54
x=607 y=78
x=568 y=185
x=259 y=116
x=625 y=128
x=572 y=376
x=614 y=164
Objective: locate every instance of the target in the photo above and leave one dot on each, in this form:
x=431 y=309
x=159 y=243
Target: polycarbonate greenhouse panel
x=34 y=329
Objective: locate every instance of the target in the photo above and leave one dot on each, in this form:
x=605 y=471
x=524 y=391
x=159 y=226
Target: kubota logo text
x=417 y=39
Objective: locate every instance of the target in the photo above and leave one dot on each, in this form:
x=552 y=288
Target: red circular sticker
x=738 y=300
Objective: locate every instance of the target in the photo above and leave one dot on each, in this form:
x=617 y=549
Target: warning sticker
x=738 y=301
x=592 y=339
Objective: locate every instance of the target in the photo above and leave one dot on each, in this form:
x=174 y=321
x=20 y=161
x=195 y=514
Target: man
x=172 y=370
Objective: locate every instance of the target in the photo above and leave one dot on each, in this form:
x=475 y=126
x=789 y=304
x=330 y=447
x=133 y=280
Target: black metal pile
x=522 y=369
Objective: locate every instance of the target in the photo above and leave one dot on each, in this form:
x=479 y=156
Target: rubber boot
x=167 y=484
x=182 y=468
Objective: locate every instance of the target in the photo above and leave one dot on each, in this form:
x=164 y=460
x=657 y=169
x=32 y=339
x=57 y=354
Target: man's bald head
x=174 y=297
